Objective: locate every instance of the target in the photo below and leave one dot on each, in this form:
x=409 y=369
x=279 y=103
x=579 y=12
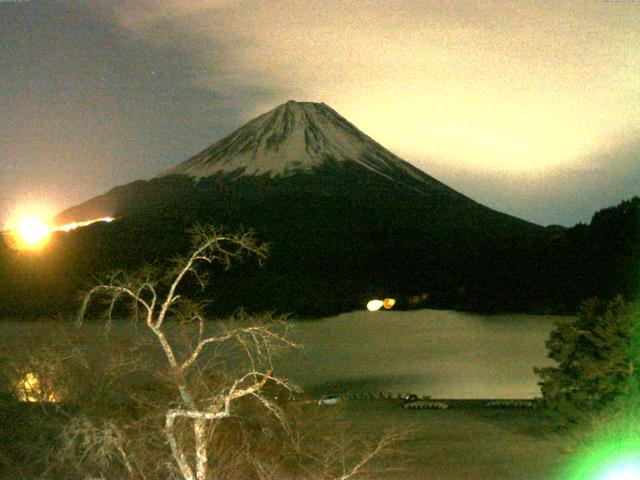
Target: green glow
x=619 y=459
x=629 y=470
x=616 y=456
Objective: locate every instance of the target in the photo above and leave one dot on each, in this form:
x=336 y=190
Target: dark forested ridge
x=334 y=248
x=601 y=259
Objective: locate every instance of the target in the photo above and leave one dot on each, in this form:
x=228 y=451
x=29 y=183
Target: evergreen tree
x=597 y=359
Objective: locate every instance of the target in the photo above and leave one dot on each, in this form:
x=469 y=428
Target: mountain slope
x=346 y=220
x=293 y=140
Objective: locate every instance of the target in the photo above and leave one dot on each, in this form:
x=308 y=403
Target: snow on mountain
x=298 y=137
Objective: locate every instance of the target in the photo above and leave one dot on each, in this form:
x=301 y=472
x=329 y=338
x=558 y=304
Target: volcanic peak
x=297 y=137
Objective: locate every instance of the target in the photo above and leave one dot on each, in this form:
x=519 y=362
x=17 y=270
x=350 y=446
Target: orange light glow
x=388 y=303
x=33 y=232
x=32 y=390
x=27 y=233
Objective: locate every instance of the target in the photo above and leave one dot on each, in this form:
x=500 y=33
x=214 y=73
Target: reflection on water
x=444 y=354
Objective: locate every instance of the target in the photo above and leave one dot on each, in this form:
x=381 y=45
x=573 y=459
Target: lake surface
x=444 y=354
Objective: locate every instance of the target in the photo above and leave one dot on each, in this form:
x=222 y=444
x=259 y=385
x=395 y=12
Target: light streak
x=32 y=233
x=73 y=225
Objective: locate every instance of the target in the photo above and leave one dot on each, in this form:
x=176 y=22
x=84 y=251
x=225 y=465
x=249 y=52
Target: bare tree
x=191 y=349
x=155 y=299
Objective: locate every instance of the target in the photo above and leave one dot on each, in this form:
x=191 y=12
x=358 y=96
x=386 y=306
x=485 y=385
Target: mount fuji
x=298 y=138
x=346 y=220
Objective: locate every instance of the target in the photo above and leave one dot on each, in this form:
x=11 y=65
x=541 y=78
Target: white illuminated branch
x=142 y=289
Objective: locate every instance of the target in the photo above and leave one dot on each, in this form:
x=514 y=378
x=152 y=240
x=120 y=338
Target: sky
x=529 y=107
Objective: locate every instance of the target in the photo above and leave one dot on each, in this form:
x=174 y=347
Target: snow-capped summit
x=298 y=137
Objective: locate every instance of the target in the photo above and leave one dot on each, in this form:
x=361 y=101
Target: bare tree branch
x=209 y=245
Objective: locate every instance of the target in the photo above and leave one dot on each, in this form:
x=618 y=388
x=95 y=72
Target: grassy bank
x=466 y=441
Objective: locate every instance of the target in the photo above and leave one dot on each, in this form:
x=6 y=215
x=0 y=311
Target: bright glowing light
x=27 y=228
x=32 y=231
x=374 y=305
x=388 y=303
x=27 y=233
x=615 y=457
x=625 y=471
x=30 y=389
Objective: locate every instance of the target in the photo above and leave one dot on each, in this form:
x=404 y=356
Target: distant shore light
x=388 y=303
x=374 y=305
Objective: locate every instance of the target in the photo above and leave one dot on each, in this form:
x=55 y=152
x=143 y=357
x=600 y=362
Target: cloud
x=505 y=87
x=564 y=196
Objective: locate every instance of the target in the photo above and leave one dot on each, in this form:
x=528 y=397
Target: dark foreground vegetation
x=597 y=357
x=110 y=425
x=467 y=442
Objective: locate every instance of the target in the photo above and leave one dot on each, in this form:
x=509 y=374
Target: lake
x=445 y=354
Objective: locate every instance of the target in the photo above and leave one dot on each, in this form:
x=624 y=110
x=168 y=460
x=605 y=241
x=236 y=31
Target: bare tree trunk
x=202 y=462
x=178 y=454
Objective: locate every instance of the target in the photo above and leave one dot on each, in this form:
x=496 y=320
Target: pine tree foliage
x=597 y=359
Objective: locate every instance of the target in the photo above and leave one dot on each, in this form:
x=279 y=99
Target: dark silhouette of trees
x=335 y=256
